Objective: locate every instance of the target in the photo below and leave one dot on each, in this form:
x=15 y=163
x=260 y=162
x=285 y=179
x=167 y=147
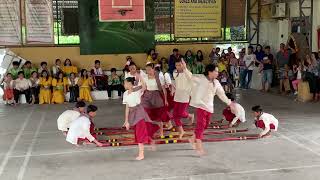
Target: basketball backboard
x=121 y=10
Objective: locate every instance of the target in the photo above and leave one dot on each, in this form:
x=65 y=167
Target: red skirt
x=144 y=131
x=170 y=99
x=260 y=124
x=229 y=116
x=8 y=94
x=158 y=114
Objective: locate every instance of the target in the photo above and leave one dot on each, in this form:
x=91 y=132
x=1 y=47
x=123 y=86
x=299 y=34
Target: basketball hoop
x=123 y=12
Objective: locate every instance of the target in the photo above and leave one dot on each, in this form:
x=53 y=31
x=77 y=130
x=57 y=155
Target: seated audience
x=8 y=96
x=14 y=70
x=45 y=88
x=85 y=83
x=68 y=68
x=56 y=68
x=59 y=89
x=28 y=69
x=73 y=87
x=99 y=78
x=114 y=83
x=35 y=89
x=21 y=86
x=43 y=66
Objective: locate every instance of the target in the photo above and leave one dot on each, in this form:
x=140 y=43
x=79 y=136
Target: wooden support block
x=304 y=94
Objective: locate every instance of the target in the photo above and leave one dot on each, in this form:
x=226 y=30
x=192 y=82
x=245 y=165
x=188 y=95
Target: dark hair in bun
x=130 y=80
x=256 y=109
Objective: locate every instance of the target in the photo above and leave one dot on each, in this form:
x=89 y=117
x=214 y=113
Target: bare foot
x=193 y=145
x=140 y=157
x=191 y=118
x=181 y=134
x=169 y=125
x=153 y=145
x=201 y=152
x=87 y=143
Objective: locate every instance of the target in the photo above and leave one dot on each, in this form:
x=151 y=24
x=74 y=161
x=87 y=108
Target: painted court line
x=312 y=141
x=14 y=143
x=299 y=144
x=27 y=158
x=240 y=172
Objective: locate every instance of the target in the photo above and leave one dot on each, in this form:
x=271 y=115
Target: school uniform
x=138 y=117
x=80 y=129
x=73 y=89
x=35 y=89
x=66 y=118
x=152 y=99
x=22 y=86
x=266 y=122
x=181 y=99
x=202 y=97
x=100 y=79
x=234 y=116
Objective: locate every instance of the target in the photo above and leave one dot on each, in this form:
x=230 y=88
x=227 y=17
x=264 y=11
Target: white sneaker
x=296 y=93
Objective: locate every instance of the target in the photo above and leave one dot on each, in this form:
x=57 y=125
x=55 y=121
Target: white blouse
x=65 y=119
x=239 y=113
x=79 y=128
x=183 y=85
x=268 y=119
x=203 y=92
x=133 y=99
x=152 y=83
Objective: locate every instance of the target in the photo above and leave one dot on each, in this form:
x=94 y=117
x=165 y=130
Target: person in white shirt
x=80 y=128
x=133 y=72
x=56 y=68
x=204 y=88
x=66 y=118
x=182 y=77
x=236 y=115
x=137 y=117
x=249 y=61
x=22 y=86
x=264 y=121
x=99 y=78
x=154 y=99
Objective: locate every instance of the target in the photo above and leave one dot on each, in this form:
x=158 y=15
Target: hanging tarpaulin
x=39 y=22
x=10 y=27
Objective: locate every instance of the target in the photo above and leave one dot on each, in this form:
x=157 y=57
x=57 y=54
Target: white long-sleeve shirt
x=203 y=92
x=79 y=128
x=239 y=113
x=22 y=84
x=268 y=119
x=66 y=118
x=183 y=86
x=142 y=74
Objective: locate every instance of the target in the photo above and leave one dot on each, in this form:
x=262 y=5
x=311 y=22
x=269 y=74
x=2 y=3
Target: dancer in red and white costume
x=235 y=116
x=136 y=116
x=80 y=128
x=66 y=118
x=264 y=121
x=183 y=85
x=154 y=98
x=204 y=88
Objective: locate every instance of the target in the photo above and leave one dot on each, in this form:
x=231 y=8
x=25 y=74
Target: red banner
x=121 y=10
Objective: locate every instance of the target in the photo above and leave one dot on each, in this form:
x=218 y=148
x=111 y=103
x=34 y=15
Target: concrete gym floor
x=31 y=148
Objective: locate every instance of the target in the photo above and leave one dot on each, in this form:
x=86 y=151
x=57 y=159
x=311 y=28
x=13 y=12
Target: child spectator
x=21 y=86
x=56 y=68
x=14 y=70
x=59 y=89
x=8 y=90
x=73 y=87
x=28 y=69
x=68 y=68
x=114 y=83
x=45 y=88
x=85 y=83
x=189 y=58
x=152 y=56
x=225 y=81
x=35 y=90
x=43 y=66
x=100 y=80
